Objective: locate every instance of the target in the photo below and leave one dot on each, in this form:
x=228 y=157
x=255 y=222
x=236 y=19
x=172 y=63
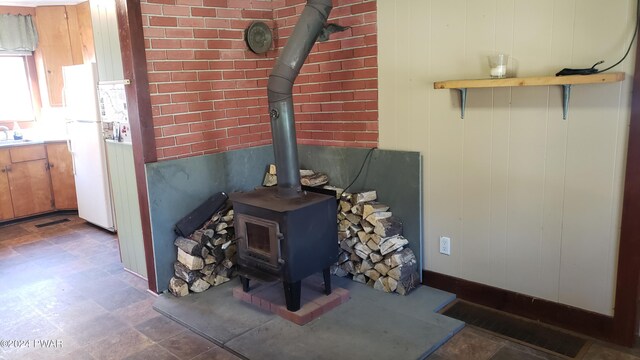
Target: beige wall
x=531 y=202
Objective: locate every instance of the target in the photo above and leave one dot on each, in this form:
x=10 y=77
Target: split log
x=199 y=285
x=197 y=236
x=358 y=278
x=392 y=244
x=345 y=206
x=362 y=250
x=228 y=219
x=366 y=265
x=355 y=228
x=376 y=238
x=374 y=218
x=219 y=280
x=373 y=245
x=314 y=180
x=365 y=196
x=366 y=226
x=404 y=256
x=357 y=209
x=344 y=256
x=227 y=263
x=221 y=226
x=405 y=286
x=344 y=245
x=372 y=274
x=382 y=268
x=376 y=257
x=393 y=283
x=353 y=257
x=370 y=283
x=178 y=287
x=338 y=271
x=353 y=218
x=373 y=207
x=189 y=246
x=270 y=180
x=382 y=284
x=184 y=273
x=363 y=237
x=344 y=225
x=388 y=227
x=402 y=272
x=305 y=172
x=341 y=217
x=210 y=259
x=208 y=234
x=342 y=235
x=230 y=251
x=208 y=269
x=348 y=267
x=190 y=261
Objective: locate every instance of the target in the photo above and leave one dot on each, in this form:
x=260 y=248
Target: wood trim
x=568 y=317
x=134 y=64
x=34 y=87
x=628 y=276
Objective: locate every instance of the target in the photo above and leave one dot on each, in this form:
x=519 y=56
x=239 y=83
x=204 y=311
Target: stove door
x=258 y=241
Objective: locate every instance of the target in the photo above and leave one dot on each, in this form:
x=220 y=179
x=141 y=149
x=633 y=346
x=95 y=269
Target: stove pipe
x=280 y=89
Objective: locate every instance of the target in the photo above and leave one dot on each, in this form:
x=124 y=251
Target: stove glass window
x=258 y=237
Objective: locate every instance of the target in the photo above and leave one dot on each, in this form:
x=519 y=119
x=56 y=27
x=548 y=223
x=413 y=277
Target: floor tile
x=155 y=352
x=217 y=354
x=121 y=298
x=599 y=352
x=136 y=313
x=119 y=345
x=95 y=329
x=187 y=345
x=159 y=328
x=469 y=345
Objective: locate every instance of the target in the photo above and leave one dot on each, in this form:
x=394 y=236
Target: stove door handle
x=280 y=237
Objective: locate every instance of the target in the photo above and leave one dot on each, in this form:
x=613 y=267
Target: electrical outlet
x=445 y=245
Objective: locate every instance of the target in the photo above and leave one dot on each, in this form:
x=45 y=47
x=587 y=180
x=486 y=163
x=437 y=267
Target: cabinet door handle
x=8 y=168
x=50 y=165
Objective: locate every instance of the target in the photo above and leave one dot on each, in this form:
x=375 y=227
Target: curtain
x=17 y=33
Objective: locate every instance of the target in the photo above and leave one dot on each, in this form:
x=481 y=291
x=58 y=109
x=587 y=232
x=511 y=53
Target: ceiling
x=32 y=3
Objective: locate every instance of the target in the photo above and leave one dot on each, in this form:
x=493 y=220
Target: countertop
x=12 y=143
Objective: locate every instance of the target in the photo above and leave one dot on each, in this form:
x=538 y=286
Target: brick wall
x=208 y=91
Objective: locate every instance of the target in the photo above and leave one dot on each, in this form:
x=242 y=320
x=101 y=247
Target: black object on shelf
x=190 y=223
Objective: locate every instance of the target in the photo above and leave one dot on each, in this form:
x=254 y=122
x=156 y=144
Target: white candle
x=499 y=71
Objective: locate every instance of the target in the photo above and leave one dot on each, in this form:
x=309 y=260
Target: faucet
x=6 y=131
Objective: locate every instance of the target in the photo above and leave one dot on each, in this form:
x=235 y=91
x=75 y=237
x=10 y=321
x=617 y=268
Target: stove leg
x=245 y=283
x=292 y=293
x=327 y=280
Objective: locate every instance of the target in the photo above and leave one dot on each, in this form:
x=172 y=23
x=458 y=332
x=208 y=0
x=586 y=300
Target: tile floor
x=65 y=283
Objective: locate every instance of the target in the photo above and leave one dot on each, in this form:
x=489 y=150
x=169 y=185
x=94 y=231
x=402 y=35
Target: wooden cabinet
x=30 y=187
x=62 y=181
x=6 y=206
x=65 y=38
x=36 y=179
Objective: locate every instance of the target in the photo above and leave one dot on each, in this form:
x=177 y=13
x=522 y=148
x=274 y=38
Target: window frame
x=32 y=84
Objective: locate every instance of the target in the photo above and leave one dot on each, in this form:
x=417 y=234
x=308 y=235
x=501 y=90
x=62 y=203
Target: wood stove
x=285 y=233
x=285 y=239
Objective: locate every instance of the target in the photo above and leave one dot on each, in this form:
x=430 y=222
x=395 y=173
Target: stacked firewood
x=372 y=246
x=207 y=257
x=307 y=177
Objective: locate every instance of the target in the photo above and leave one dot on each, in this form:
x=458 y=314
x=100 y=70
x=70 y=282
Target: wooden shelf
x=565 y=81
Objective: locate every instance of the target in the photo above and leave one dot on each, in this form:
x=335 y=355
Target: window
x=15 y=93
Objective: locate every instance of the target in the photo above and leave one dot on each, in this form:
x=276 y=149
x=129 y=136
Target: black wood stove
x=285 y=233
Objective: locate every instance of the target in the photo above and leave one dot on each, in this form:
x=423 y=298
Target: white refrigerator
x=86 y=144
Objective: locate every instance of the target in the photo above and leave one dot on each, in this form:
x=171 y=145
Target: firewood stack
x=207 y=257
x=372 y=246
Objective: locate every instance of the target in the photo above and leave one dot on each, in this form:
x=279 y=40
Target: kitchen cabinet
x=36 y=179
x=65 y=38
x=29 y=182
x=6 y=206
x=30 y=188
x=61 y=172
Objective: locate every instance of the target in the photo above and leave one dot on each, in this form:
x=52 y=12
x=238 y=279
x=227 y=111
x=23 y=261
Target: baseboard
x=549 y=312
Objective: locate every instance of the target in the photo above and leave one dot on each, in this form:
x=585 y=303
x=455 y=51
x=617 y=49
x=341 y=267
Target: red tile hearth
x=270 y=297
